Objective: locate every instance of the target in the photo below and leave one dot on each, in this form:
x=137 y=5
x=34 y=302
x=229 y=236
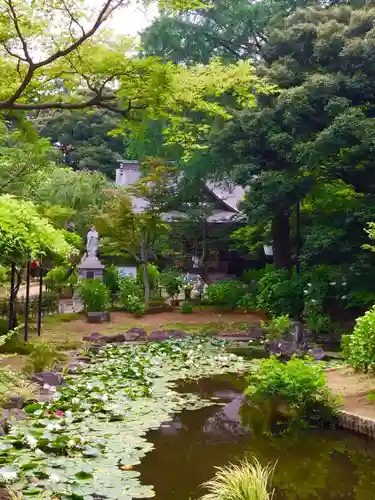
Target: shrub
x=299 y=383
x=129 y=287
x=111 y=280
x=135 y=305
x=153 y=276
x=277 y=327
x=42 y=357
x=280 y=293
x=50 y=305
x=245 y=481
x=95 y=295
x=172 y=281
x=186 y=307
x=225 y=294
x=359 y=348
x=60 y=277
x=248 y=302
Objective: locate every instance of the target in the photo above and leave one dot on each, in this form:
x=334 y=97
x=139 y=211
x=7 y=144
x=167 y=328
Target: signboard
x=126 y=271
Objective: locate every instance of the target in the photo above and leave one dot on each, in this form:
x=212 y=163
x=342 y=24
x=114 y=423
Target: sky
x=130 y=20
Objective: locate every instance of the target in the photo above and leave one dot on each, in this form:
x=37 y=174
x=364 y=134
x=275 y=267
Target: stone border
x=356 y=423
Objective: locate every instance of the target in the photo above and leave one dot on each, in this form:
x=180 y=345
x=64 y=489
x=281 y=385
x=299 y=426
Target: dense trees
x=311 y=143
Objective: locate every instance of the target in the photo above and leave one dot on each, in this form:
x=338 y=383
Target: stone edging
x=356 y=423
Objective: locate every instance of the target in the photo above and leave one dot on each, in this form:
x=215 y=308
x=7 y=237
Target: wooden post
x=11 y=298
x=40 y=301
x=298 y=237
x=26 y=334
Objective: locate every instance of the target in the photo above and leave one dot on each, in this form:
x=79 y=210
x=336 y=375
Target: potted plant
x=96 y=299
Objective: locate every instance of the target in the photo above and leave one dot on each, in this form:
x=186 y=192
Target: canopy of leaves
x=69 y=196
x=88 y=133
x=24 y=234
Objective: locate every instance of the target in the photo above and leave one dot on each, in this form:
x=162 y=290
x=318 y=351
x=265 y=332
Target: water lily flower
x=54 y=478
x=343 y=297
x=31 y=441
x=333 y=283
x=59 y=413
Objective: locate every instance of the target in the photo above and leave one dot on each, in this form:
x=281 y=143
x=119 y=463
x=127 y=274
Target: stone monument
x=90 y=266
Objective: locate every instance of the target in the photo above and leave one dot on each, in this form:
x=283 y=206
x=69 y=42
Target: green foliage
x=153 y=276
x=277 y=327
x=50 y=305
x=225 y=294
x=299 y=383
x=280 y=293
x=245 y=481
x=111 y=280
x=172 y=281
x=25 y=234
x=135 y=305
x=248 y=302
x=359 y=348
x=129 y=290
x=95 y=295
x=43 y=356
x=186 y=307
x=57 y=278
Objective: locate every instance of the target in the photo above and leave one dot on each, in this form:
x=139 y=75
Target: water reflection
x=325 y=464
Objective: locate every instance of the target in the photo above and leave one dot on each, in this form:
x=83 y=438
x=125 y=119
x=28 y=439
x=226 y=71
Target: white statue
x=92 y=244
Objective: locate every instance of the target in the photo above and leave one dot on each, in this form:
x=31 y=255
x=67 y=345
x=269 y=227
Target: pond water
x=324 y=464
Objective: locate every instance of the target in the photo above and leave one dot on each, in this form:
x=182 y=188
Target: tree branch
x=13 y=15
x=10 y=103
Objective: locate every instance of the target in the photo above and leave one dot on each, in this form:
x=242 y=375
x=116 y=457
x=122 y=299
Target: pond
x=324 y=464
x=152 y=421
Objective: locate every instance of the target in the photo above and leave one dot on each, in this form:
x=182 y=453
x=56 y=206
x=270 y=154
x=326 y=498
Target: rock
x=136 y=334
x=317 y=353
x=13 y=414
x=282 y=347
x=112 y=339
x=82 y=359
x=256 y=332
x=176 y=334
x=51 y=378
x=75 y=366
x=14 y=402
x=93 y=337
x=158 y=335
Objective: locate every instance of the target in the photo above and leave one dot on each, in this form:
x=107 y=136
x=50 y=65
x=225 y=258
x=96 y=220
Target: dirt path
x=354 y=387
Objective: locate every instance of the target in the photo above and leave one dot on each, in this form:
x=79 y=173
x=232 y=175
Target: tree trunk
x=144 y=260
x=282 y=254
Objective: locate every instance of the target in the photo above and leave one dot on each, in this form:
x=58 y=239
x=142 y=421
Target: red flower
x=59 y=413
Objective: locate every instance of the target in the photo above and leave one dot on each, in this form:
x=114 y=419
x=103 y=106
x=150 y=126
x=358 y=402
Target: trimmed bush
x=95 y=295
x=226 y=294
x=359 y=348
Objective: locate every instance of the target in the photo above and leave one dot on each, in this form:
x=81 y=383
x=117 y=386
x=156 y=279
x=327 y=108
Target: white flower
x=75 y=401
x=343 y=297
x=31 y=441
x=333 y=283
x=54 y=478
x=313 y=301
x=71 y=443
x=50 y=427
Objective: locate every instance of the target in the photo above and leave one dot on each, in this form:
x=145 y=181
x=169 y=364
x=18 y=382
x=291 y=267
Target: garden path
x=354 y=387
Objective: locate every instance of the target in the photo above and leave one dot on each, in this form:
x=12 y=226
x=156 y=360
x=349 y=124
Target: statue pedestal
x=91 y=267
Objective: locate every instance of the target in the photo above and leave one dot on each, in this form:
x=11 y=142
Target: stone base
x=98 y=317
x=91 y=268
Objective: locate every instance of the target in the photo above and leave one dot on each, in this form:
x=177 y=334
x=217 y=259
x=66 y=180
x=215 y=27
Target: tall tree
x=89 y=134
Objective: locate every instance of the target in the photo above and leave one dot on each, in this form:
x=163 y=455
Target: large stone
x=176 y=334
x=14 y=402
x=285 y=347
x=136 y=334
x=317 y=353
x=158 y=335
x=51 y=378
x=93 y=337
x=113 y=339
